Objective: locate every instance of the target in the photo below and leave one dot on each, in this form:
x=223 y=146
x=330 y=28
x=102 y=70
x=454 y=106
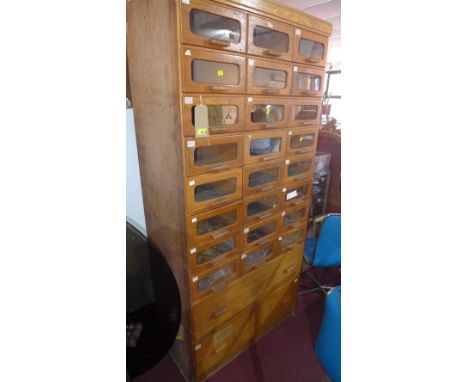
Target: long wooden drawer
x=226 y=341
x=277 y=306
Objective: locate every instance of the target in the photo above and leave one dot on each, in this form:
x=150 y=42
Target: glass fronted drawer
x=304 y=112
x=262 y=177
x=299 y=168
x=256 y=257
x=212 y=72
x=212 y=154
x=292 y=237
x=296 y=193
x=211 y=254
x=215 y=224
x=294 y=217
x=260 y=232
x=264 y=146
x=225 y=113
x=301 y=141
x=310 y=48
x=266 y=113
x=213 y=26
x=215 y=279
x=268 y=77
x=270 y=38
x=261 y=206
x=307 y=81
x=213 y=190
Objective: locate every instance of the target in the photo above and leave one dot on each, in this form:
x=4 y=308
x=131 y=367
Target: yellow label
x=220 y=72
x=202 y=131
x=301 y=138
x=309 y=81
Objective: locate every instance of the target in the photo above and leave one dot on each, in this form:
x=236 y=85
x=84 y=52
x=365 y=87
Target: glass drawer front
x=213 y=154
x=298 y=168
x=305 y=112
x=216 y=222
x=259 y=255
x=261 y=232
x=267 y=113
x=261 y=206
x=307 y=83
x=292 y=217
x=213 y=253
x=291 y=238
x=219 y=29
x=302 y=141
x=265 y=146
x=276 y=42
x=296 y=193
x=269 y=78
x=215 y=277
x=214 y=190
x=263 y=177
x=217 y=73
x=313 y=50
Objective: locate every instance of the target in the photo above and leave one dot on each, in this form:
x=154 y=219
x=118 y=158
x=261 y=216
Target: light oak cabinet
x=227 y=100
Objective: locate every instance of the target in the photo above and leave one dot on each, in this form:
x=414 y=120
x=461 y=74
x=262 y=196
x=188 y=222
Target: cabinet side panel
x=153 y=65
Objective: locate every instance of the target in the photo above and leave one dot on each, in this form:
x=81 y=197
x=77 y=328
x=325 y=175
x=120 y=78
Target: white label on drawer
x=294 y=68
x=283 y=213
x=197 y=347
x=194 y=220
x=188 y=100
x=251 y=62
x=190 y=143
x=287 y=161
x=249 y=99
x=188 y=52
x=193 y=250
x=246 y=230
x=195 y=279
x=298 y=32
x=191 y=183
x=244 y=255
x=291 y=194
x=284 y=189
x=295 y=280
x=270 y=25
x=280 y=238
x=289 y=132
x=249 y=136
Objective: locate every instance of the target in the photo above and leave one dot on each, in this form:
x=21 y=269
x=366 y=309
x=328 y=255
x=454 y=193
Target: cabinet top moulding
x=283 y=13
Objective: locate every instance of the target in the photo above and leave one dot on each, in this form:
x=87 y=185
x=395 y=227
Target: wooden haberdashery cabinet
x=227 y=196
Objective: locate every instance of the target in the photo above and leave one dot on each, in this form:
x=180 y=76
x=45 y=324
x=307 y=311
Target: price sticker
x=291 y=195
x=220 y=72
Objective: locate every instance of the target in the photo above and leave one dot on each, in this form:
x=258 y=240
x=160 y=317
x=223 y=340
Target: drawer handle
x=218 y=260
x=311 y=60
x=263 y=216
x=307 y=92
x=218 y=234
x=289 y=269
x=271 y=91
x=267 y=126
x=266 y=188
x=262 y=241
x=219 y=128
x=268 y=158
x=217 y=168
x=219 y=88
x=296 y=203
x=300 y=151
x=301 y=177
x=218 y=287
x=305 y=123
x=219 y=202
x=218 y=42
x=271 y=53
x=220 y=311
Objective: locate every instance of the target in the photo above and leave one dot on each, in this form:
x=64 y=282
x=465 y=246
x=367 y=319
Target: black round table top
x=153 y=304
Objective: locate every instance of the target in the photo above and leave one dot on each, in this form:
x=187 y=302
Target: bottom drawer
x=277 y=306
x=225 y=342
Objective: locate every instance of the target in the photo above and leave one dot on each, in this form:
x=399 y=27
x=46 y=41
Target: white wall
x=135 y=213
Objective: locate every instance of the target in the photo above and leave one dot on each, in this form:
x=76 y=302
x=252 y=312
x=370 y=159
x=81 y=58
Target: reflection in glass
x=259 y=206
x=208 y=155
x=264 y=146
x=301 y=141
x=293 y=217
x=305 y=112
x=269 y=78
x=260 y=232
x=213 y=72
x=216 y=250
x=308 y=82
x=298 y=168
x=267 y=113
x=277 y=42
x=291 y=239
x=216 y=222
x=219 y=115
x=213 y=190
x=311 y=49
x=215 y=277
x=258 y=255
x=214 y=26
x=263 y=177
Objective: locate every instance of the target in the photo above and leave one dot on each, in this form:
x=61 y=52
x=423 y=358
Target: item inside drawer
x=215 y=190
